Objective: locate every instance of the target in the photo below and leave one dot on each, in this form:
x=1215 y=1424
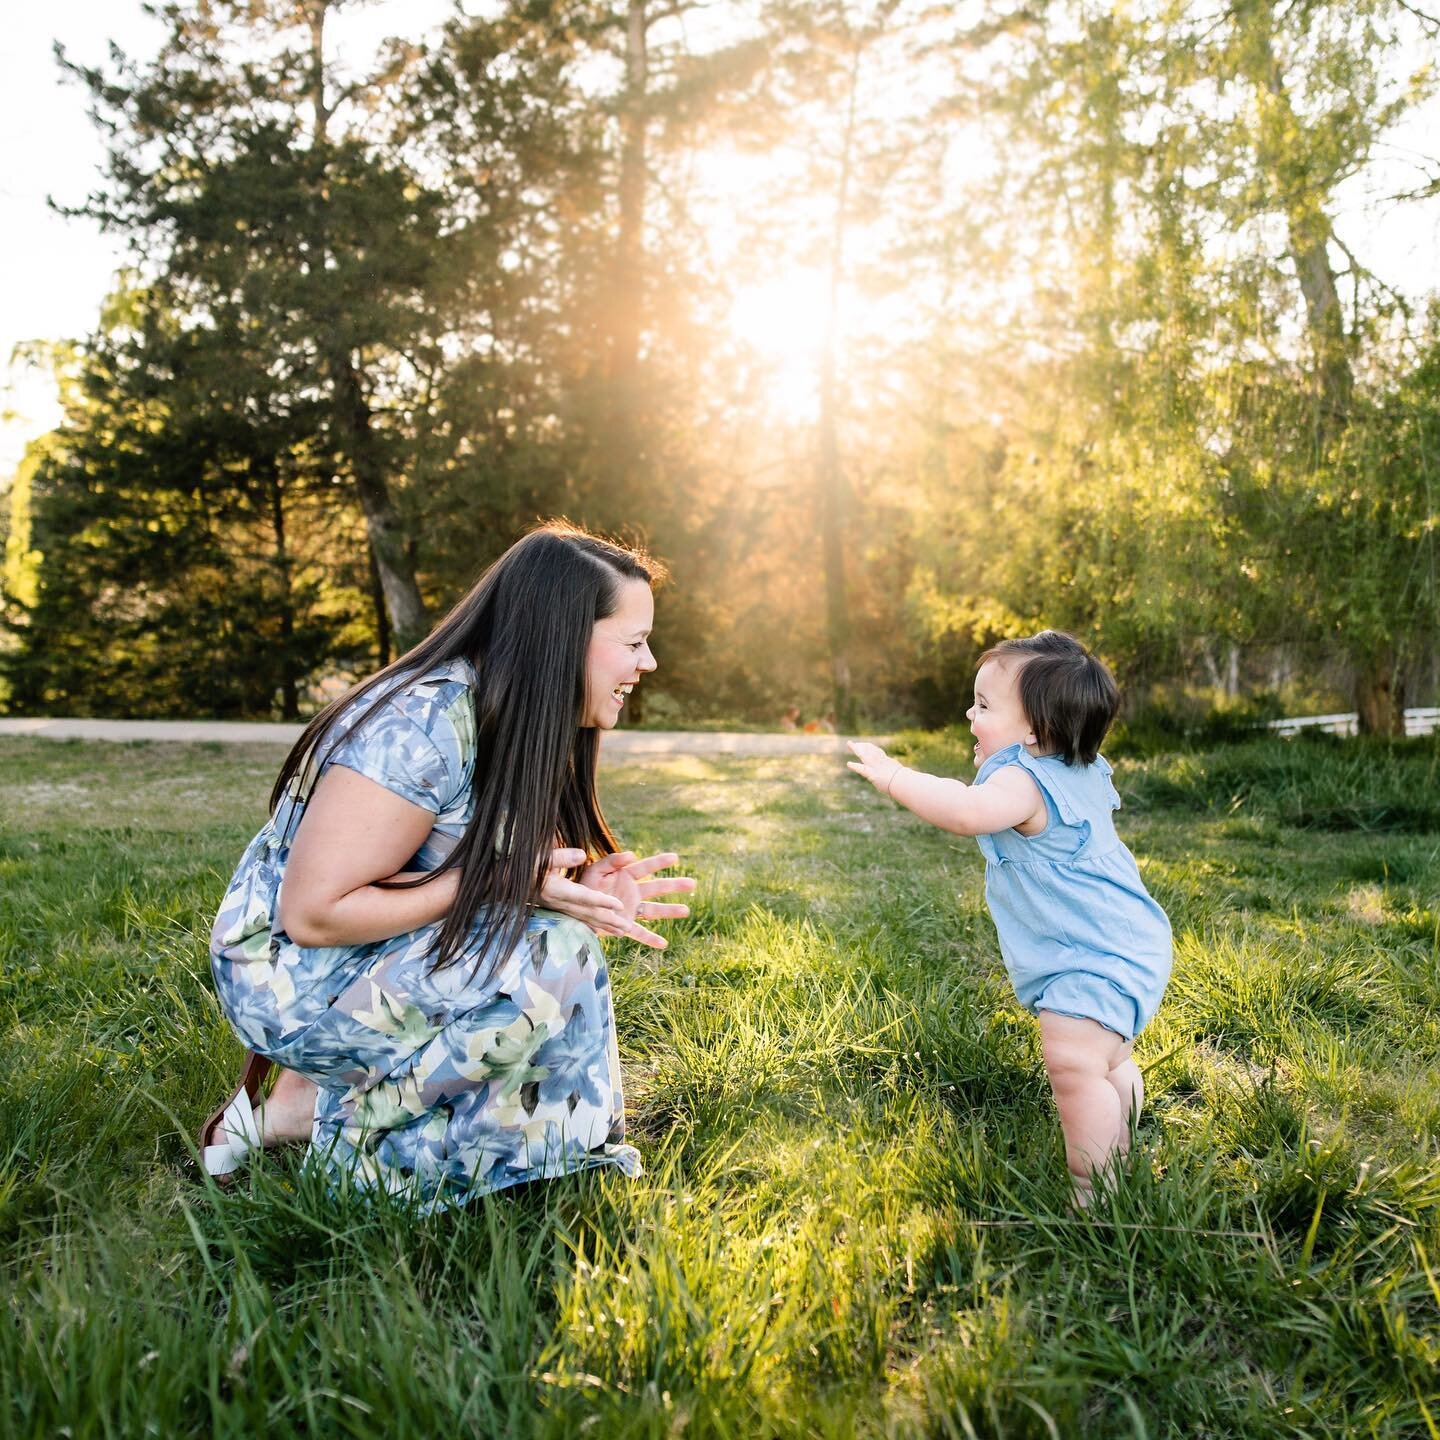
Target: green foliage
x=1184 y=475
x=175 y=517
x=1098 y=356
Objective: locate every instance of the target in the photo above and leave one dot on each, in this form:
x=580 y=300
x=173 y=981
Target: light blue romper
x=1078 y=930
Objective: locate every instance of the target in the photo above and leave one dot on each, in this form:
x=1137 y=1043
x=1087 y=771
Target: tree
x=174 y=520
x=244 y=197
x=1191 y=394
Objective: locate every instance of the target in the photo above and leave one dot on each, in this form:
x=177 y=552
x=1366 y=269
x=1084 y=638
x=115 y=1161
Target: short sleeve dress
x=440 y=1083
x=1079 y=932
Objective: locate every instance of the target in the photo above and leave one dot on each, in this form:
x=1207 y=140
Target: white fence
x=1417 y=722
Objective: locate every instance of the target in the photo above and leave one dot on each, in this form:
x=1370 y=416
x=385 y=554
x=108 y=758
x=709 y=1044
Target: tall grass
x=855 y=1218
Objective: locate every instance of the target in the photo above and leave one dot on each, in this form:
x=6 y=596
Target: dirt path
x=617 y=742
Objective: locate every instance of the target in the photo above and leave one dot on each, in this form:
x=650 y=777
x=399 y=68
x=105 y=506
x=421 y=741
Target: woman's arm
x=353 y=833
x=1006 y=801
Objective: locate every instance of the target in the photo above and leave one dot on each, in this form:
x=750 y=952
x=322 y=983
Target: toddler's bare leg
x=1080 y=1056
x=1130 y=1087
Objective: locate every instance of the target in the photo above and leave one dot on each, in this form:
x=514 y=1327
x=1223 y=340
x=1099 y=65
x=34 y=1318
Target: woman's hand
x=612 y=894
x=874 y=765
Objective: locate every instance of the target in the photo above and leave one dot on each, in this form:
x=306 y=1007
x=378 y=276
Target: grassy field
x=854 y=1218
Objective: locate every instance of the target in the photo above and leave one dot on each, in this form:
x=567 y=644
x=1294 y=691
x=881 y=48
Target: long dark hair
x=525 y=627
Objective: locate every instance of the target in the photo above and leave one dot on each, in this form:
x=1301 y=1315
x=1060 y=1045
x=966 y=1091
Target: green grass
x=854 y=1218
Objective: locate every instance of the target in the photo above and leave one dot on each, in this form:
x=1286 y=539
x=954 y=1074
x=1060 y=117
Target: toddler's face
x=996 y=717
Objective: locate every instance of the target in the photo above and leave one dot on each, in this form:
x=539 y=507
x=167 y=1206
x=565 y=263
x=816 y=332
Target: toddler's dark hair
x=1069 y=697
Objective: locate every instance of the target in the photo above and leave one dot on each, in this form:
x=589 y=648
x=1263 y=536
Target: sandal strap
x=221 y=1160
x=241 y=1134
x=239 y=1123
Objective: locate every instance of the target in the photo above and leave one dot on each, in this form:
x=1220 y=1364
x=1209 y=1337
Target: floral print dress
x=439 y=1083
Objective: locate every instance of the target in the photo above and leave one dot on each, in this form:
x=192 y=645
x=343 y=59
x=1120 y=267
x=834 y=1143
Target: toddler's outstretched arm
x=1007 y=799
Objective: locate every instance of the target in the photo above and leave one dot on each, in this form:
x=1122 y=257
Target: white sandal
x=232 y=1133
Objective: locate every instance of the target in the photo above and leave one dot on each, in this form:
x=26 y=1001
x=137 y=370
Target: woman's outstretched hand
x=614 y=894
x=874 y=765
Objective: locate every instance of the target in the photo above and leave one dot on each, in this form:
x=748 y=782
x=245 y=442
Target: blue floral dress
x=431 y=1082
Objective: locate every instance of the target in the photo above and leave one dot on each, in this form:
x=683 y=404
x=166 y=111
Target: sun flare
x=782 y=320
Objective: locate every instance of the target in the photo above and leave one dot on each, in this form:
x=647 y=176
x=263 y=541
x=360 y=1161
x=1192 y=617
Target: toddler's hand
x=874 y=764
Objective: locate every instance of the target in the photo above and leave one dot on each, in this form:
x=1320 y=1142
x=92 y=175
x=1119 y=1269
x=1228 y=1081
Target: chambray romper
x=1078 y=930
x=442 y=1084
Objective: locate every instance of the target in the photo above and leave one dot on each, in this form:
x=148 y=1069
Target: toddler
x=1087 y=949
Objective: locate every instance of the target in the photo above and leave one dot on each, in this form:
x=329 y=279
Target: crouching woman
x=411 y=939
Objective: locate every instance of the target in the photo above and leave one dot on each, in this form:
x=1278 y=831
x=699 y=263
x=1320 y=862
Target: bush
x=1315 y=782
x=1160 y=727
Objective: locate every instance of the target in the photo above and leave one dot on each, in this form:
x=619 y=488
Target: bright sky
x=57 y=271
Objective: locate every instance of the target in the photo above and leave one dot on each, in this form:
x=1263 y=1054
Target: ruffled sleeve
x=1051 y=786
x=1104 y=767
x=1043 y=774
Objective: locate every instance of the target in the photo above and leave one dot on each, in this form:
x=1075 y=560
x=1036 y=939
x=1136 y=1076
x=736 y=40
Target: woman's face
x=619 y=655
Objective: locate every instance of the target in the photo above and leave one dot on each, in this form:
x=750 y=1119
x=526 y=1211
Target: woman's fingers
x=672 y=885
x=654 y=910
x=630 y=930
x=639 y=869
x=567 y=859
x=635 y=931
x=613 y=864
x=619 y=860
x=559 y=891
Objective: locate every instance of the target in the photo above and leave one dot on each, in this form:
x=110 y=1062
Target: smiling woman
x=619 y=653
x=412 y=935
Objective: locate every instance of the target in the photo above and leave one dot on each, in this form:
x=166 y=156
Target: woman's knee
x=574 y=936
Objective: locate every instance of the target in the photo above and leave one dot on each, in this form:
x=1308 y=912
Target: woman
x=380 y=941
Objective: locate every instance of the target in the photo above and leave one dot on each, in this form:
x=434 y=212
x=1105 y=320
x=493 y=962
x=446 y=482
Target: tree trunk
x=628 y=298
x=389 y=553
x=829 y=478
x=289 y=683
x=387 y=543
x=1379 y=696
x=383 y=654
x=1309 y=231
